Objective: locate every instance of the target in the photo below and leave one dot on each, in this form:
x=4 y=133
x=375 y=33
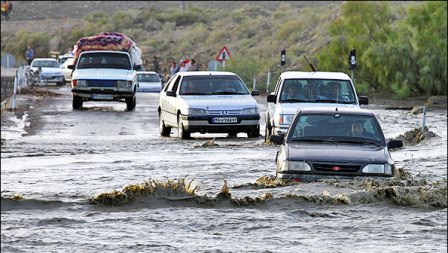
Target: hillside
x=254 y=33
x=56 y=19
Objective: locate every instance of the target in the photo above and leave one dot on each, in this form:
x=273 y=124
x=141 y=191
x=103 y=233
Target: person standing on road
x=29 y=54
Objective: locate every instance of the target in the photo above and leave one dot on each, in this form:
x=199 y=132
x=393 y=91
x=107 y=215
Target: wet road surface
x=56 y=160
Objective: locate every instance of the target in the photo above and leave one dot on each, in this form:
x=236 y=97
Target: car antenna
x=336 y=109
x=311 y=65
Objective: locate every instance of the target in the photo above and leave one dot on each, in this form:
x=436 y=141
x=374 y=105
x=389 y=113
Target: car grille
x=331 y=167
x=224 y=112
x=101 y=83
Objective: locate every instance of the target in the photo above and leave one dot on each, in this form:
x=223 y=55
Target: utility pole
x=182 y=5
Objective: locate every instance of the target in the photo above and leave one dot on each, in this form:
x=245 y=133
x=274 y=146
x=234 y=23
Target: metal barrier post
x=424 y=117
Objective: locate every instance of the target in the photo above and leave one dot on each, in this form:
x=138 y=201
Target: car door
x=273 y=106
x=169 y=104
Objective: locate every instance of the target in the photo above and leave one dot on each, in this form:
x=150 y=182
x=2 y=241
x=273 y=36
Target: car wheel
x=164 y=131
x=267 y=132
x=77 y=102
x=130 y=103
x=183 y=134
x=232 y=135
x=254 y=133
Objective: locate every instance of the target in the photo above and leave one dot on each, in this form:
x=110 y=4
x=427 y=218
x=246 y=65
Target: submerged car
x=208 y=102
x=334 y=142
x=49 y=71
x=148 y=81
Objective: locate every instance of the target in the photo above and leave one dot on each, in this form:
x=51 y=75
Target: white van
x=295 y=90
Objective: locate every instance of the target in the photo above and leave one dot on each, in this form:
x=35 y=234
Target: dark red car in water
x=334 y=143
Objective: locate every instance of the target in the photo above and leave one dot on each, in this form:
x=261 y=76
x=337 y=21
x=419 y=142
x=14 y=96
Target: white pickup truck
x=104 y=75
x=295 y=90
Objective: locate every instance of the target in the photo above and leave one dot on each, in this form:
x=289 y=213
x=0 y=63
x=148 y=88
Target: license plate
x=224 y=120
x=102 y=96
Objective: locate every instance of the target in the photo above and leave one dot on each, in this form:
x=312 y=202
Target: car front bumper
x=205 y=124
x=51 y=79
x=316 y=177
x=102 y=94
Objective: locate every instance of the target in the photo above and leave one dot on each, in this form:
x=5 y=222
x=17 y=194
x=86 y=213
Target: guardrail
x=12 y=85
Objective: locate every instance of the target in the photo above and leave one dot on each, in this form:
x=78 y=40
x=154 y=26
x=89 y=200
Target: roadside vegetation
x=401 y=47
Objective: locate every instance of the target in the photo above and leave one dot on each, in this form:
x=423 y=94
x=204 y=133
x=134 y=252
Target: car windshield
x=212 y=85
x=336 y=127
x=104 y=60
x=317 y=91
x=43 y=64
x=148 y=78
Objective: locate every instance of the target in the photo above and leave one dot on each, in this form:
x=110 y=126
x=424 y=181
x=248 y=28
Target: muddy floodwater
x=102 y=179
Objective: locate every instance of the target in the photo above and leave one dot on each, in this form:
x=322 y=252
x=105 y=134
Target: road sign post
x=223 y=56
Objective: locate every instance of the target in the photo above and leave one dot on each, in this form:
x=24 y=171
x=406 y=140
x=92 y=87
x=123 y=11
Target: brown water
x=102 y=179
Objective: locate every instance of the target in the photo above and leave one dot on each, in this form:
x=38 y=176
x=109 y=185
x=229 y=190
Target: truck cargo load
x=109 y=41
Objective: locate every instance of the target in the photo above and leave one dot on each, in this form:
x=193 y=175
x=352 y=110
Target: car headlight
x=285 y=119
x=124 y=84
x=295 y=166
x=378 y=169
x=196 y=112
x=250 y=111
x=80 y=83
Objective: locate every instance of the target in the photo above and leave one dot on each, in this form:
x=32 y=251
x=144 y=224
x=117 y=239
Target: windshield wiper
x=313 y=139
x=194 y=93
x=294 y=100
x=334 y=101
x=361 y=141
x=226 y=93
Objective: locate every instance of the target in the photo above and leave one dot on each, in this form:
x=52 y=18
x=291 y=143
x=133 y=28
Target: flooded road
x=61 y=171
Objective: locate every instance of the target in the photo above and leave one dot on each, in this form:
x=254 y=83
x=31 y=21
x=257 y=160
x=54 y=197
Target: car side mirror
x=71 y=66
x=363 y=100
x=394 y=144
x=272 y=98
x=255 y=93
x=171 y=93
x=277 y=139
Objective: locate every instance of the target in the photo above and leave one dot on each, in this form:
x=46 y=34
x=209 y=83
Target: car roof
x=314 y=75
x=66 y=56
x=206 y=73
x=340 y=110
x=45 y=59
x=147 y=72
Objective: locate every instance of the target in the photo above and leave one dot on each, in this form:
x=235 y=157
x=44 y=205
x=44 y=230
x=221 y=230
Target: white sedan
x=148 y=81
x=49 y=70
x=208 y=102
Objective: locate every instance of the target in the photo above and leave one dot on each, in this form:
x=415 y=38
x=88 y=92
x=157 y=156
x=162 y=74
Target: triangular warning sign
x=224 y=55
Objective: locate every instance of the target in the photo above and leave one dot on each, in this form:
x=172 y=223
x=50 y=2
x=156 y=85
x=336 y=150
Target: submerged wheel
x=254 y=133
x=267 y=133
x=164 y=131
x=130 y=103
x=77 y=102
x=183 y=134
